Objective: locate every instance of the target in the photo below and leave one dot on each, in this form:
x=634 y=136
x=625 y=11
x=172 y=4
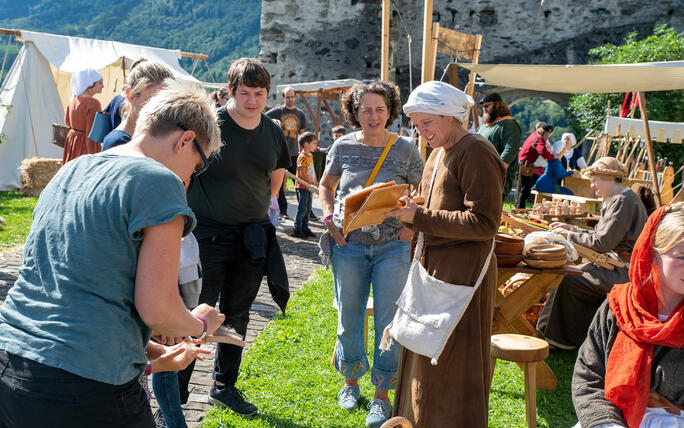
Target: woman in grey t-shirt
x=379 y=254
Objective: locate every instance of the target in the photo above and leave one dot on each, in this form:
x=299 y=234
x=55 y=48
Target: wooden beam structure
x=330 y=112
x=427 y=73
x=384 y=50
x=649 y=148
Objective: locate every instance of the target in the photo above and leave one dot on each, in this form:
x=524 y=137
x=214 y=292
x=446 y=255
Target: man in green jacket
x=503 y=131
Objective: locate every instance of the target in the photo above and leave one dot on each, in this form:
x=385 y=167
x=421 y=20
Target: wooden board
x=374 y=205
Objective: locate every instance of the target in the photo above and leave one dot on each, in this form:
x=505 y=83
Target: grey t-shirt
x=353 y=162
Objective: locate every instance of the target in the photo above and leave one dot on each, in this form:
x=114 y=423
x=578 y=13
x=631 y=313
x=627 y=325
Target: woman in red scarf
x=630 y=370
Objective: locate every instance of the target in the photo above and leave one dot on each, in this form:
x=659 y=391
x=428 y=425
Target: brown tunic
x=462 y=218
x=79 y=115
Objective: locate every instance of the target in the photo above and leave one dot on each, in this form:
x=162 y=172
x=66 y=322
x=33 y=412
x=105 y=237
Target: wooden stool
x=369 y=313
x=397 y=422
x=527 y=350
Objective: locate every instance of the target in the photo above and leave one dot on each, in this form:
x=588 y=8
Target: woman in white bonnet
x=80 y=114
x=459 y=221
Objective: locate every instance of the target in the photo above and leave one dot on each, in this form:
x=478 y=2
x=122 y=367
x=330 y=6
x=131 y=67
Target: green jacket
x=505 y=136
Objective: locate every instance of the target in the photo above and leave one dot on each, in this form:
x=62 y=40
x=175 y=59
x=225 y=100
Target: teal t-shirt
x=72 y=306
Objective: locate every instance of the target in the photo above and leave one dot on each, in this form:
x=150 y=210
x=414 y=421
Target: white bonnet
x=84 y=79
x=439 y=98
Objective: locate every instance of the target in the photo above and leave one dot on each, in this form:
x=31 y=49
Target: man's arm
x=276 y=181
x=510 y=134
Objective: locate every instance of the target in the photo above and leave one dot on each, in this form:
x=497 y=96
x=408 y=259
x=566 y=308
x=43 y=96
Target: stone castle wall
x=311 y=40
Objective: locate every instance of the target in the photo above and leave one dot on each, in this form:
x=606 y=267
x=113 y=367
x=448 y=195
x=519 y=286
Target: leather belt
x=657 y=401
x=625 y=256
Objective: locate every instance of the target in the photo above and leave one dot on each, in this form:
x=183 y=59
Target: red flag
x=631 y=101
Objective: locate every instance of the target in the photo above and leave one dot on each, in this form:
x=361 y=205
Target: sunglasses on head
x=205 y=161
x=370 y=82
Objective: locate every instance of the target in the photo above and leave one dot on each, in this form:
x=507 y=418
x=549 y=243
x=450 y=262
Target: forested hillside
x=222 y=29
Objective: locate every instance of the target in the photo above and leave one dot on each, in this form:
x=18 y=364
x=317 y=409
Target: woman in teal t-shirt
x=100 y=273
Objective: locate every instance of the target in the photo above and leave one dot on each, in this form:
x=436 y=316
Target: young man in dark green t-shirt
x=231 y=199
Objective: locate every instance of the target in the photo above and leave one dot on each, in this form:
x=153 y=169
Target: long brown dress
x=79 y=115
x=462 y=218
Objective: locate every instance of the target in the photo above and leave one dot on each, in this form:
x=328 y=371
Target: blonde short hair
x=180 y=104
x=671 y=228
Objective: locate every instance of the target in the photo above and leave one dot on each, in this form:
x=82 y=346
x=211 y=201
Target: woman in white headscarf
x=459 y=220
x=80 y=114
x=550 y=181
x=572 y=158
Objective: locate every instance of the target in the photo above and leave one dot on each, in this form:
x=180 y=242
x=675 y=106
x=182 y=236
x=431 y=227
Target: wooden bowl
x=547 y=249
x=504 y=237
x=508 y=260
x=546 y=257
x=509 y=248
x=545 y=264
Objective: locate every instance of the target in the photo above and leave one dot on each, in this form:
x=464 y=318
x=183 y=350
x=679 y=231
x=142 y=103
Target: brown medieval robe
x=571 y=306
x=459 y=224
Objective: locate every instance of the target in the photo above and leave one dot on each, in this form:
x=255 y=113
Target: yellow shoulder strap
x=378 y=165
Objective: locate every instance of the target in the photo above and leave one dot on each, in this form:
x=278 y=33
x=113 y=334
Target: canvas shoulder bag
x=429 y=309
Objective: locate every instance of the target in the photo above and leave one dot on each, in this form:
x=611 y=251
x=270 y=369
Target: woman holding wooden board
x=377 y=254
x=462 y=185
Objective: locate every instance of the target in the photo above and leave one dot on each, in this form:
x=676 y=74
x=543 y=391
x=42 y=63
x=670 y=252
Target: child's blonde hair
x=142 y=75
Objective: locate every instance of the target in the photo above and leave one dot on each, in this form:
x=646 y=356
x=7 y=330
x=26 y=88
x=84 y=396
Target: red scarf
x=635 y=306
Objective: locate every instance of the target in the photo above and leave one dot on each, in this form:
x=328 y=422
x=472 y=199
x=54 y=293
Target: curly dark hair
x=351 y=100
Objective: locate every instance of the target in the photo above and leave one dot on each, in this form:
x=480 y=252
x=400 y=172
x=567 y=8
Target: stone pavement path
x=301 y=259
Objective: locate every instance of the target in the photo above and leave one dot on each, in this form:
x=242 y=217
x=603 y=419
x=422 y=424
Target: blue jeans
x=355 y=267
x=303 y=209
x=167 y=392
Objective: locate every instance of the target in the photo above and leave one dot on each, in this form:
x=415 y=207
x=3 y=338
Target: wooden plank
x=317 y=120
x=427 y=42
x=454 y=43
x=330 y=112
x=306 y=104
x=194 y=55
x=384 y=48
x=529 y=293
x=649 y=148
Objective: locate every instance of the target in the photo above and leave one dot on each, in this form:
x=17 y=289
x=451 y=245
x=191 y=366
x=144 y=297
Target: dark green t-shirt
x=505 y=136
x=236 y=188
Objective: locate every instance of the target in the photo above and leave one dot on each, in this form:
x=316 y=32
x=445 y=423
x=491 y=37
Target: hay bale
x=36 y=173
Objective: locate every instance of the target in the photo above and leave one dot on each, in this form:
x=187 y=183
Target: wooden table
x=508 y=310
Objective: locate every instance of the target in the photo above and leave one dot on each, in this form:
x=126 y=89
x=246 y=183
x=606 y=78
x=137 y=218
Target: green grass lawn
x=17 y=210
x=287 y=374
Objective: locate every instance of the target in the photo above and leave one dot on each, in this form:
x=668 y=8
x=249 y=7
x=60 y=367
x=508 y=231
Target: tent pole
x=427 y=55
x=649 y=148
x=4 y=59
x=384 y=50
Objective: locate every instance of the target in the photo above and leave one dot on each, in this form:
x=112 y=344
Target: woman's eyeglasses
x=205 y=161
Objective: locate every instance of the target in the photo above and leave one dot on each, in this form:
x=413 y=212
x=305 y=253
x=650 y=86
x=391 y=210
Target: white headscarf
x=573 y=140
x=84 y=79
x=439 y=98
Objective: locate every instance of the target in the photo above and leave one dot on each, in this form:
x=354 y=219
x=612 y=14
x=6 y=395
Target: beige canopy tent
x=640 y=77
x=578 y=79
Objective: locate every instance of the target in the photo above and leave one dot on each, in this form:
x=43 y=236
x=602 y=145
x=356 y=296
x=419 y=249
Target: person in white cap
x=80 y=114
x=459 y=220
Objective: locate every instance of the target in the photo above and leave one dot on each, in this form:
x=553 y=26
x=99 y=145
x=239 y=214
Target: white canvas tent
x=37 y=87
